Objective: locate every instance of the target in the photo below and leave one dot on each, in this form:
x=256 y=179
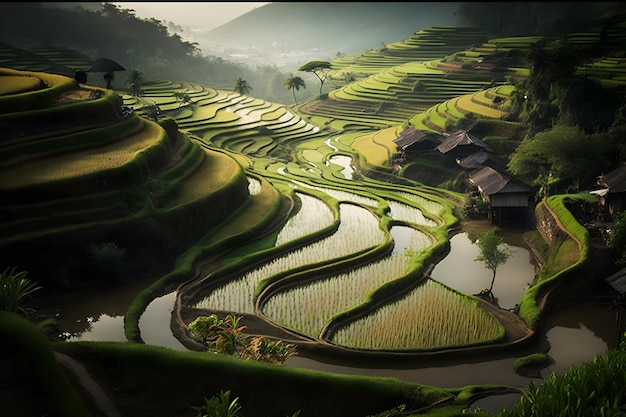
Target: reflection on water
x=571 y=336
x=577 y=334
x=345 y=162
x=154 y=323
x=459 y=270
x=568 y=333
x=100 y=328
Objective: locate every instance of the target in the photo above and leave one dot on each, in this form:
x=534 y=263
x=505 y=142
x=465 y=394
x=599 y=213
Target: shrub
x=595 y=388
x=108 y=260
x=14 y=288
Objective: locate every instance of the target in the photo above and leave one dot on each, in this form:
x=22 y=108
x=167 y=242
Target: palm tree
x=134 y=82
x=294 y=83
x=242 y=87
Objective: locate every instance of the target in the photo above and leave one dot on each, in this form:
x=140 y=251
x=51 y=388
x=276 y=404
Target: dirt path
x=89 y=385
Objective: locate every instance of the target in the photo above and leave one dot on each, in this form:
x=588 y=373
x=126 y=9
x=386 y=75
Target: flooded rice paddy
x=570 y=336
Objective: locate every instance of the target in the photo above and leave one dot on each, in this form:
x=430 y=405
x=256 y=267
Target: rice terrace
x=320 y=221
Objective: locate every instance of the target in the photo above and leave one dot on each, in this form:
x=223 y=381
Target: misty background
x=267 y=43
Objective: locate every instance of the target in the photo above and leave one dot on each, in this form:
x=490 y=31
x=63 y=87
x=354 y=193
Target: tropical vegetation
x=197 y=173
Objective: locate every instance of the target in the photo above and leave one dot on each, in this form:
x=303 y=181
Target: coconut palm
x=294 y=83
x=134 y=82
x=242 y=86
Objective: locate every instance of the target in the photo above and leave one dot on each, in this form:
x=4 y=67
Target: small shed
x=480 y=159
x=413 y=140
x=461 y=144
x=509 y=198
x=612 y=194
x=618 y=282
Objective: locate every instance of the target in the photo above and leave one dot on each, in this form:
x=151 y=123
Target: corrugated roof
x=480 y=159
x=460 y=138
x=490 y=182
x=412 y=135
x=616 y=180
x=618 y=281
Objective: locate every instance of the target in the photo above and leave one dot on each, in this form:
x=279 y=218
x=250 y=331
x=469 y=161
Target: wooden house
x=612 y=192
x=461 y=144
x=412 y=141
x=480 y=159
x=509 y=198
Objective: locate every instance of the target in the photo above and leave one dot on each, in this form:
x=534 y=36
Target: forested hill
x=335 y=26
x=289 y=34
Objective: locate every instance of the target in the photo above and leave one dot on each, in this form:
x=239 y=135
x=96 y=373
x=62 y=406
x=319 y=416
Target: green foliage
x=220 y=406
x=108 y=259
x=242 y=86
x=492 y=252
x=534 y=360
x=566 y=152
x=318 y=68
x=618 y=238
x=294 y=83
x=266 y=350
x=226 y=336
x=134 y=82
x=14 y=288
x=595 y=388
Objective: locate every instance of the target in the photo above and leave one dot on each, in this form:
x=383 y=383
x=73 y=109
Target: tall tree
x=294 y=83
x=134 y=82
x=318 y=68
x=572 y=156
x=492 y=252
x=242 y=86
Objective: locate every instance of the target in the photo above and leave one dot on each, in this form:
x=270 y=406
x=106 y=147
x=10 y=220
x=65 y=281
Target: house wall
x=509 y=200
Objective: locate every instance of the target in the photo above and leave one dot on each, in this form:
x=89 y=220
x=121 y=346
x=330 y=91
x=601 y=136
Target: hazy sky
x=206 y=15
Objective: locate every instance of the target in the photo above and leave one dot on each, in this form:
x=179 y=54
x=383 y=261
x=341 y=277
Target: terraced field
x=230 y=178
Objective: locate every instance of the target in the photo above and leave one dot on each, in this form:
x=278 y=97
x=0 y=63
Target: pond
x=459 y=270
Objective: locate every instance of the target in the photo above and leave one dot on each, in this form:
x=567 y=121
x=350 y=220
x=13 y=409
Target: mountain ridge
x=283 y=28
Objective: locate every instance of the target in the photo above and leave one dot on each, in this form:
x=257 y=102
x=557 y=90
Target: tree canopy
x=492 y=252
x=566 y=152
x=318 y=68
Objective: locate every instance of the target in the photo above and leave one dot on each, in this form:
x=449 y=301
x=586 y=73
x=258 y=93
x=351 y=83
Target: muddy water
x=570 y=336
x=459 y=270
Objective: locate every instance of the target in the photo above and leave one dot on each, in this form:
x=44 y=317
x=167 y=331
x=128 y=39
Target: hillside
x=291 y=33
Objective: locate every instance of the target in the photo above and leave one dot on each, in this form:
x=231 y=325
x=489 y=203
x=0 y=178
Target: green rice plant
x=430 y=317
x=429 y=205
x=89 y=161
x=313 y=215
x=342 y=195
x=404 y=212
x=357 y=226
x=307 y=309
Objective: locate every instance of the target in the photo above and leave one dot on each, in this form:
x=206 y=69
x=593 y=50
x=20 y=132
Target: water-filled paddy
x=570 y=336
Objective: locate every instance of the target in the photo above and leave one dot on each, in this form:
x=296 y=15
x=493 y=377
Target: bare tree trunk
x=493 y=280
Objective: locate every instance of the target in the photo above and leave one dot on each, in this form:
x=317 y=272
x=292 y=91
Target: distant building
x=509 y=198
